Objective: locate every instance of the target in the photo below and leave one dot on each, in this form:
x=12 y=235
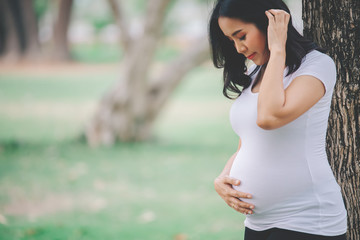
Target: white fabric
x=286 y=169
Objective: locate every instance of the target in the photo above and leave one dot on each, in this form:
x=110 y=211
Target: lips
x=251 y=56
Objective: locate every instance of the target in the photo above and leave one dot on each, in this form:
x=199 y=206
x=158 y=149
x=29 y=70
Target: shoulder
x=316 y=61
x=316 y=57
x=320 y=66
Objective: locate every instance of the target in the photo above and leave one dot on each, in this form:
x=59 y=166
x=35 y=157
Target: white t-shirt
x=286 y=169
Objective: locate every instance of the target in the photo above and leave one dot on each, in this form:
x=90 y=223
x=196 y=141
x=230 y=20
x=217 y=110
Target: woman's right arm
x=223 y=186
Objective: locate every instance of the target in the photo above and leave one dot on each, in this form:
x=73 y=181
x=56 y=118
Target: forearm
x=228 y=165
x=271 y=97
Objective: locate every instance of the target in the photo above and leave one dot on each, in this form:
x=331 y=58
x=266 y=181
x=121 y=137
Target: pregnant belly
x=271 y=181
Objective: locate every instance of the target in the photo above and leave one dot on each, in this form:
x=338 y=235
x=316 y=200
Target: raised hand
x=277 y=29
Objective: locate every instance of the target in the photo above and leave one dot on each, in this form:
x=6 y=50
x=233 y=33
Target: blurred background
x=112 y=121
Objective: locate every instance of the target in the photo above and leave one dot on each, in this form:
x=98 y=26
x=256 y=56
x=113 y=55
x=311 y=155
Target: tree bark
x=2 y=26
x=19 y=25
x=60 y=45
x=164 y=85
x=335 y=25
x=32 y=50
x=127 y=111
x=116 y=8
x=14 y=40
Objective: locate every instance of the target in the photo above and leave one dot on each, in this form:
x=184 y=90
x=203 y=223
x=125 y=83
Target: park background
x=53 y=185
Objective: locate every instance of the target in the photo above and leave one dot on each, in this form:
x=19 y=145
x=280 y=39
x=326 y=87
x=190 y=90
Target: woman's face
x=247 y=38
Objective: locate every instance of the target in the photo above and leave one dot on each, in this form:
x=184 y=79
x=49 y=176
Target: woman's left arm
x=278 y=106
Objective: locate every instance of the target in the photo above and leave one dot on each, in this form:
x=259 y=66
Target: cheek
x=261 y=42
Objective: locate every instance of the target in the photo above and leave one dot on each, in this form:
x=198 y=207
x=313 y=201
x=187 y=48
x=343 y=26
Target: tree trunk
x=335 y=25
x=127 y=111
x=2 y=26
x=60 y=46
x=20 y=31
x=19 y=26
x=116 y=8
x=32 y=51
x=14 y=39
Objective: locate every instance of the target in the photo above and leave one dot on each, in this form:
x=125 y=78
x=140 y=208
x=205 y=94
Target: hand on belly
x=223 y=186
x=268 y=191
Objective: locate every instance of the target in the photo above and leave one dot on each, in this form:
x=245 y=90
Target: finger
x=232 y=181
x=240 y=194
x=287 y=18
x=270 y=17
x=242 y=204
x=279 y=15
x=241 y=209
x=244 y=211
x=277 y=12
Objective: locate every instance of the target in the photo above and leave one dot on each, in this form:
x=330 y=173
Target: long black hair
x=224 y=55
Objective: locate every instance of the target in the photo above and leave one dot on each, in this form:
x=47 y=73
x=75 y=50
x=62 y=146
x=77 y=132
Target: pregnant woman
x=279 y=176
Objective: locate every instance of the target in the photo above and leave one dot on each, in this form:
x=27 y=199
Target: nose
x=240 y=48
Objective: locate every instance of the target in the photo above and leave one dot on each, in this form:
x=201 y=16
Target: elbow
x=267 y=122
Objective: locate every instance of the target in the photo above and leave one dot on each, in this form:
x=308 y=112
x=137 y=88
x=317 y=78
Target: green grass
x=96 y=52
x=53 y=186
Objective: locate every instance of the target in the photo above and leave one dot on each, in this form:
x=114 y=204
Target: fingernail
x=249 y=212
x=249 y=196
x=252 y=207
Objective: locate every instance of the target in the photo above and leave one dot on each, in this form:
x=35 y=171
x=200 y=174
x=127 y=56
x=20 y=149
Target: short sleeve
x=321 y=66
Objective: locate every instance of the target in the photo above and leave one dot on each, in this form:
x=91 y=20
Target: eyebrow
x=236 y=32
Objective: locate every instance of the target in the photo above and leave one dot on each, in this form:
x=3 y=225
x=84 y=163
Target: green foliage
x=100 y=23
x=138 y=5
x=40 y=7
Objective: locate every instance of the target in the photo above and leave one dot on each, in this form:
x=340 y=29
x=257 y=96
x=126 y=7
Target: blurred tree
x=32 y=46
x=127 y=111
x=19 y=30
x=19 y=37
x=60 y=45
x=335 y=25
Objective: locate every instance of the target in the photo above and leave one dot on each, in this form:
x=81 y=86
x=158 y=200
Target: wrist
x=278 y=52
x=278 y=56
x=223 y=174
